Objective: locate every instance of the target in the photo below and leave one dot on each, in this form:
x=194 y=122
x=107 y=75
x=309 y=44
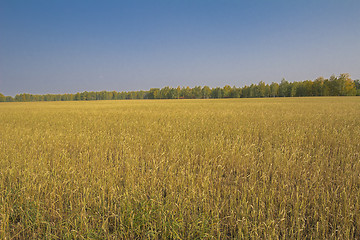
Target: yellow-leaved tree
x=348 y=85
x=2 y=98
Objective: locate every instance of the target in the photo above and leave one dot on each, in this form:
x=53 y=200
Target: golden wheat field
x=275 y=168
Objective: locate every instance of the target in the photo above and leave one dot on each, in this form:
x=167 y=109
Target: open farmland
x=181 y=169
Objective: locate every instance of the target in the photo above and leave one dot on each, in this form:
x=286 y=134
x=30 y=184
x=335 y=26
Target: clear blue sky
x=66 y=46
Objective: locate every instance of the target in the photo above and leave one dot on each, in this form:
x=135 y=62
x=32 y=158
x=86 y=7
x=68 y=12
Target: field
x=275 y=168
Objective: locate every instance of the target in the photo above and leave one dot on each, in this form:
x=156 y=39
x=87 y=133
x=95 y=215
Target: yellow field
x=286 y=168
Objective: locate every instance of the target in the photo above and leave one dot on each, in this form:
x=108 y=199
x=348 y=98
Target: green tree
x=10 y=99
x=206 y=92
x=154 y=93
x=121 y=95
x=164 y=93
x=196 y=92
x=318 y=86
x=334 y=86
x=77 y=97
x=245 y=92
x=173 y=94
x=357 y=86
x=284 y=88
x=308 y=87
x=274 y=89
x=293 y=92
x=216 y=93
x=235 y=92
x=300 y=89
x=267 y=90
x=226 y=92
x=139 y=94
x=261 y=89
x=178 y=91
x=253 y=91
x=186 y=93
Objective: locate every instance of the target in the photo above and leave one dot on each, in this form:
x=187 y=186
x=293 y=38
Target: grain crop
x=274 y=168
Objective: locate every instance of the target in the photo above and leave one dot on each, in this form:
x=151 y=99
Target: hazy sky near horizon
x=67 y=46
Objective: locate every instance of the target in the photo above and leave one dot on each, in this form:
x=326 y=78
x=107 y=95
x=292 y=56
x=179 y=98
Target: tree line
x=341 y=85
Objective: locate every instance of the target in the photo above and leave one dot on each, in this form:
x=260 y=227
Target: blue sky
x=67 y=46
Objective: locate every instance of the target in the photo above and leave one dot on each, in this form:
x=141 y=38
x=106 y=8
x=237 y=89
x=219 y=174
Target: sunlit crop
x=275 y=168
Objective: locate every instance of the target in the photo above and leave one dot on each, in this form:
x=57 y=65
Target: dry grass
x=181 y=169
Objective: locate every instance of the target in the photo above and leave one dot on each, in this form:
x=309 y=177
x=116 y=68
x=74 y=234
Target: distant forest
x=342 y=85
